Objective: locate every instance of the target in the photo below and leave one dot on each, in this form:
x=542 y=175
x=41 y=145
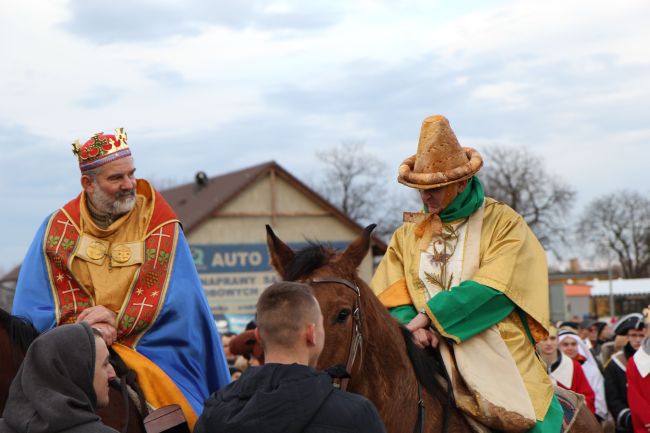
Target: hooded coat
x=53 y=391
x=278 y=398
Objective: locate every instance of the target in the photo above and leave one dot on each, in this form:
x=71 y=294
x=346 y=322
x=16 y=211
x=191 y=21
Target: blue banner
x=234 y=275
x=238 y=258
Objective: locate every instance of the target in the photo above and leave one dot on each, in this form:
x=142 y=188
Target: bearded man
x=116 y=257
x=469 y=269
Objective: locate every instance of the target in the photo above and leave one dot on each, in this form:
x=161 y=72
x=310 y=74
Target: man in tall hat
x=116 y=257
x=468 y=268
x=633 y=328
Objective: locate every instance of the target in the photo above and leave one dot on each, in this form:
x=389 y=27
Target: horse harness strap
x=356 y=342
x=356 y=346
x=419 y=423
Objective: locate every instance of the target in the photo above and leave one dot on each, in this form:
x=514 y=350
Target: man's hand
x=109 y=333
x=97 y=314
x=422 y=335
x=102 y=319
x=424 y=338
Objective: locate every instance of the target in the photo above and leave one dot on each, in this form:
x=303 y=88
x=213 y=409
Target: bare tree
x=620 y=223
x=518 y=177
x=357 y=182
x=351 y=178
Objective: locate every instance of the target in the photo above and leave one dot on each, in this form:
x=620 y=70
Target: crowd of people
x=466 y=275
x=601 y=361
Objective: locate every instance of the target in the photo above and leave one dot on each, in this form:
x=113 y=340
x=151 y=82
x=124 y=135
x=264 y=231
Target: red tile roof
x=574 y=290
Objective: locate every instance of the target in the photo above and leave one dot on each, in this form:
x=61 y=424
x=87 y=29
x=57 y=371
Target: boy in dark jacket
x=287 y=394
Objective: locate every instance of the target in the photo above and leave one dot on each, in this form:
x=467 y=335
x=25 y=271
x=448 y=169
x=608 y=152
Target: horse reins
x=356 y=344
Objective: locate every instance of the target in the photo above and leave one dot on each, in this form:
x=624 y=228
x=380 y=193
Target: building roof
x=576 y=290
x=196 y=202
x=570 y=277
x=621 y=287
x=11 y=276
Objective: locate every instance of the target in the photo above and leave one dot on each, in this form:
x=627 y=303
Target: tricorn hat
x=440 y=160
x=631 y=321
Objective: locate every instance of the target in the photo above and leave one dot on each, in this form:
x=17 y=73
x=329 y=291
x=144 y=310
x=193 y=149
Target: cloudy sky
x=222 y=84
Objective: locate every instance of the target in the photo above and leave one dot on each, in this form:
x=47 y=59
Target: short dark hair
x=283 y=310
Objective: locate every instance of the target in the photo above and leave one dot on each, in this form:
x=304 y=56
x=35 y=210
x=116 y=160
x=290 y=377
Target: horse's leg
x=114 y=415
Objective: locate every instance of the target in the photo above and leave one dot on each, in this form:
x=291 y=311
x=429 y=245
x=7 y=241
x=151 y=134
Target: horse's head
x=335 y=282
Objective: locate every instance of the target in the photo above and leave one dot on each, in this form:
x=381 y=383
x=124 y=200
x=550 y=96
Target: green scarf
x=465 y=203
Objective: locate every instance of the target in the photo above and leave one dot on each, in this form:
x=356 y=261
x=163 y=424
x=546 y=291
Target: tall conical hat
x=440 y=160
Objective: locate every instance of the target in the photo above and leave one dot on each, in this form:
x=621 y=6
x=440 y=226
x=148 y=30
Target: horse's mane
x=307 y=260
x=21 y=331
x=428 y=366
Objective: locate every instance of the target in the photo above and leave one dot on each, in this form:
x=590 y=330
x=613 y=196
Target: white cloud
x=506 y=95
x=219 y=85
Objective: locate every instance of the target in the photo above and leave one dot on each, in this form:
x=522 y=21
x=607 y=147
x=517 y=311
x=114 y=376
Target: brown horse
x=16 y=334
x=378 y=353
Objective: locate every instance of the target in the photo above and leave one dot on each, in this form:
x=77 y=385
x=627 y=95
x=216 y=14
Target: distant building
x=578 y=301
x=567 y=304
x=7 y=288
x=630 y=295
x=224 y=219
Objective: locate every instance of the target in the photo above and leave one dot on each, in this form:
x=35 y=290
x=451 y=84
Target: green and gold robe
x=506 y=290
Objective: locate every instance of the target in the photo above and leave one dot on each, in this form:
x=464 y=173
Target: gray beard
x=109 y=209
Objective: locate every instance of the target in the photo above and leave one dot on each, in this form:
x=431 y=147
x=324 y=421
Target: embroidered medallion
x=121 y=254
x=96 y=250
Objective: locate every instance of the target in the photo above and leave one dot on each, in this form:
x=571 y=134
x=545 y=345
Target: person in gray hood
x=61 y=382
x=287 y=394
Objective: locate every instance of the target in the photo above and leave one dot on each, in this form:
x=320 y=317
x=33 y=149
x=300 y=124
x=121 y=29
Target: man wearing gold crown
x=116 y=257
x=469 y=269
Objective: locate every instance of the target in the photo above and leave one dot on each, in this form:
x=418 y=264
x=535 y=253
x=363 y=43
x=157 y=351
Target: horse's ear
x=279 y=252
x=357 y=250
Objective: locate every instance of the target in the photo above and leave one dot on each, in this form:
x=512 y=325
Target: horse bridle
x=356 y=346
x=356 y=342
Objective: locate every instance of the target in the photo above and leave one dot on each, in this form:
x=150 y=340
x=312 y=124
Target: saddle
x=167 y=419
x=572 y=403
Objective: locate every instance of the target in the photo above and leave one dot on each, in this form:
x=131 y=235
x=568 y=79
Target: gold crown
x=100 y=149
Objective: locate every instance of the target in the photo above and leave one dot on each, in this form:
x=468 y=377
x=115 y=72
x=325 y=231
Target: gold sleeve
x=389 y=282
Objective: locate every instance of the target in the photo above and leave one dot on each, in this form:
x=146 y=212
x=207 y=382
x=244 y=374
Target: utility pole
x=612 y=313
